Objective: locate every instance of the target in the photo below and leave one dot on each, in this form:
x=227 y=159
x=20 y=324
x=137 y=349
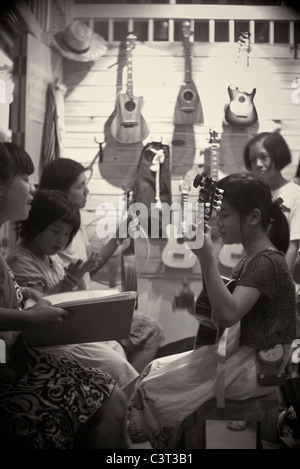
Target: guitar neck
x=184 y=201
x=129 y=87
x=214 y=161
x=106 y=254
x=187 y=60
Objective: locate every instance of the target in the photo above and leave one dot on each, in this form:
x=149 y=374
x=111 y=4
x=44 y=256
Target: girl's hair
x=60 y=174
x=246 y=192
x=276 y=147
x=13 y=160
x=47 y=207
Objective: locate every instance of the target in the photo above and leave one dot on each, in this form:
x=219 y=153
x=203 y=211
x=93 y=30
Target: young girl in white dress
x=259 y=314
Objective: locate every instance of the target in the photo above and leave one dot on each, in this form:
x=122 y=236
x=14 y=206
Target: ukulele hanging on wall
x=128 y=125
x=188 y=109
x=241 y=109
x=175 y=253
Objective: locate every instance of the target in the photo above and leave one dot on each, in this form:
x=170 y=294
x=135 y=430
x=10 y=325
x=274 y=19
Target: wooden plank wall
x=158 y=72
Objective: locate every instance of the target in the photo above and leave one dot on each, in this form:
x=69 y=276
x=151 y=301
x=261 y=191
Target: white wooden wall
x=158 y=71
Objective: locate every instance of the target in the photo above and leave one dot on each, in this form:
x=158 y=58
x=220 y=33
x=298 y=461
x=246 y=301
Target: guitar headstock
x=186 y=29
x=244 y=42
x=214 y=137
x=158 y=159
x=209 y=194
x=130 y=41
x=186 y=182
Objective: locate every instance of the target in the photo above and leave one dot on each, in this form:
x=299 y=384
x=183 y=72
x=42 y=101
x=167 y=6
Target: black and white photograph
x=149 y=227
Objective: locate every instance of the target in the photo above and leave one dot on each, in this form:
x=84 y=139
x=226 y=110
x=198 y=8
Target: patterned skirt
x=44 y=407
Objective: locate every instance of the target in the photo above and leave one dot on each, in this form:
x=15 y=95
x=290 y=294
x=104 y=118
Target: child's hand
x=79 y=268
x=92 y=262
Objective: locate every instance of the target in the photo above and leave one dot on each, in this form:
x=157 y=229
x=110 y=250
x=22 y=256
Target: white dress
x=290 y=194
x=162 y=400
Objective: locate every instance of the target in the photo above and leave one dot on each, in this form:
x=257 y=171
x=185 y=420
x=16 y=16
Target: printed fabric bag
x=152 y=186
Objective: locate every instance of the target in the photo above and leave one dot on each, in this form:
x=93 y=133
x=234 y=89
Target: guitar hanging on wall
x=241 y=109
x=188 y=109
x=212 y=161
x=129 y=125
x=175 y=253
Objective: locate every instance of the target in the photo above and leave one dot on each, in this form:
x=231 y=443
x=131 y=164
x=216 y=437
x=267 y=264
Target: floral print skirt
x=44 y=407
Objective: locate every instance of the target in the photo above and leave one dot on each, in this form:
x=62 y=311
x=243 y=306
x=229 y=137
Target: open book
x=99 y=315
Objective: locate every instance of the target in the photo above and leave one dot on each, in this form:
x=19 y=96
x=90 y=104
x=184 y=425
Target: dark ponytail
x=246 y=192
x=279 y=232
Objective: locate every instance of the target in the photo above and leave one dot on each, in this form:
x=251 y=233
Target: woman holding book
x=52 y=223
x=46 y=402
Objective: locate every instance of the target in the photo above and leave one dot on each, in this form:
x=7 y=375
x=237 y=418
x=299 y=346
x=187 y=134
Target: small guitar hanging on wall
x=188 y=108
x=129 y=125
x=241 y=109
x=158 y=159
x=175 y=253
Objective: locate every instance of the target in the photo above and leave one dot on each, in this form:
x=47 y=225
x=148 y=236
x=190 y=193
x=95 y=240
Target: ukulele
x=176 y=254
x=241 y=109
x=158 y=159
x=128 y=125
x=188 y=108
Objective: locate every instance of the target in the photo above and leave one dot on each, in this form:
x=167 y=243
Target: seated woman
x=69 y=176
x=87 y=410
x=258 y=315
x=51 y=225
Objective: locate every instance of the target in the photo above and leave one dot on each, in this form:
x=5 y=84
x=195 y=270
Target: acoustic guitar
x=188 y=109
x=241 y=109
x=208 y=330
x=128 y=264
x=128 y=124
x=176 y=254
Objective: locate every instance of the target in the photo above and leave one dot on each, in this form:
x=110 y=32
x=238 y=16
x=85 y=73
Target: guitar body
x=208 y=331
x=128 y=268
x=128 y=125
x=176 y=254
x=241 y=109
x=188 y=109
x=128 y=262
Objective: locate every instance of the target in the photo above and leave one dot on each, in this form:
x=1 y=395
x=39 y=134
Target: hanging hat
x=78 y=42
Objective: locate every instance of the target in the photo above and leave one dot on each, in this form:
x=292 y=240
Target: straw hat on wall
x=78 y=42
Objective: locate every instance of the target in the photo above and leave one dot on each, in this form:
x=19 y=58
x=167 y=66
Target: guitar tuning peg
x=197 y=180
x=218 y=208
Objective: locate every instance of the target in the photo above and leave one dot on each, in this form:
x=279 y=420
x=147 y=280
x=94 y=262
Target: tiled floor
x=219 y=437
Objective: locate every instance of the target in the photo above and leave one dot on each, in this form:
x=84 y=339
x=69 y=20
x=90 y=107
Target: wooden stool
x=257 y=410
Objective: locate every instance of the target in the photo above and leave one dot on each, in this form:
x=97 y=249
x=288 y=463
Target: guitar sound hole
x=129 y=106
x=188 y=96
x=242 y=99
x=180 y=240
